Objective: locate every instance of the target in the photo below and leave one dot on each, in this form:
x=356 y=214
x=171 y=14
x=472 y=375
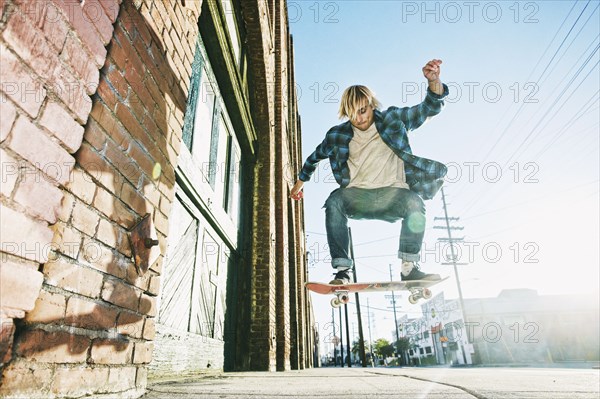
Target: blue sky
x=519 y=132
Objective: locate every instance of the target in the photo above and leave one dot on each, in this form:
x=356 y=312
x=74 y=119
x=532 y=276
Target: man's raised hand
x=432 y=72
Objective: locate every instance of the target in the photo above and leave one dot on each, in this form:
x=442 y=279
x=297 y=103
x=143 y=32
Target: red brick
x=91 y=315
x=49 y=309
x=50 y=19
x=130 y=324
x=23 y=236
x=161 y=223
x=133 y=199
x=8 y=114
x=165 y=205
x=157 y=94
x=154 y=286
x=126 y=167
x=32 y=144
x=133 y=125
x=41 y=198
x=74 y=278
x=111 y=351
x=53 y=347
x=108 y=233
x=135 y=105
x=162 y=13
x=98 y=168
x=149 y=329
x=117 y=81
x=25 y=90
x=30 y=43
x=150 y=191
x=82 y=185
x=142 y=158
x=62 y=126
x=103 y=116
x=157 y=265
x=117 y=55
x=102 y=258
x=85 y=219
x=96 y=14
x=10 y=173
x=107 y=94
x=111 y=8
x=147 y=305
x=66 y=207
x=120 y=294
x=123 y=245
x=67 y=241
x=114 y=209
x=84 y=29
x=95 y=135
x=78 y=381
x=19 y=285
x=142 y=353
x=75 y=55
x=133 y=60
x=73 y=92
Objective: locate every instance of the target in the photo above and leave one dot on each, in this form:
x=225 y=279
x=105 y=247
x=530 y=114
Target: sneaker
x=341 y=277
x=410 y=272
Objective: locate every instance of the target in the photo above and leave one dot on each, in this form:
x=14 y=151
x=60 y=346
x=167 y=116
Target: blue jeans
x=387 y=203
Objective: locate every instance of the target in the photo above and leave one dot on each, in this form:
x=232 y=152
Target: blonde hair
x=352 y=98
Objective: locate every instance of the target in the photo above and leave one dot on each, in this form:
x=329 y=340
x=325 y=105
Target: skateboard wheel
x=413 y=299
x=344 y=299
x=426 y=293
x=335 y=303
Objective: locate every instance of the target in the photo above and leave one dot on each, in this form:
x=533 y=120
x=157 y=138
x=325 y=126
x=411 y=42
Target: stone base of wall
x=177 y=352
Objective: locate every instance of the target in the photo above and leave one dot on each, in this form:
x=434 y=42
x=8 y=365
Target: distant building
x=520 y=326
x=517 y=327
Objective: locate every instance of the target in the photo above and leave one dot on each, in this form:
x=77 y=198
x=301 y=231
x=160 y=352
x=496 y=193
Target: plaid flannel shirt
x=423 y=176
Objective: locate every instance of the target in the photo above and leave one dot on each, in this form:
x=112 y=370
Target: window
x=209 y=136
x=203 y=123
x=233 y=184
x=232 y=28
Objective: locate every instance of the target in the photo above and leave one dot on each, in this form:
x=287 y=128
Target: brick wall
x=93 y=99
x=50 y=54
x=277 y=294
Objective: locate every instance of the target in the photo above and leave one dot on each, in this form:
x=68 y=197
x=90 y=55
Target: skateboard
x=418 y=289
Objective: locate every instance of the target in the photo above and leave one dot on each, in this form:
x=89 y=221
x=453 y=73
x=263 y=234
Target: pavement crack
x=466 y=390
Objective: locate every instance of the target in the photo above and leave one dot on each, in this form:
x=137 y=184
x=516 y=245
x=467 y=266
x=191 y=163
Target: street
x=454 y=383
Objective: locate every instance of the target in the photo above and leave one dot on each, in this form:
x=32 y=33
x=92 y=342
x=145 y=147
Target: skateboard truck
x=417 y=293
x=342 y=297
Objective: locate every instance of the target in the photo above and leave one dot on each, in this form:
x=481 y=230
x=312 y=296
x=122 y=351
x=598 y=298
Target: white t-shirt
x=372 y=163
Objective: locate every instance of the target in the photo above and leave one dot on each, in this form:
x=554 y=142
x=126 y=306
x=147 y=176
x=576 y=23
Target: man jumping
x=379 y=177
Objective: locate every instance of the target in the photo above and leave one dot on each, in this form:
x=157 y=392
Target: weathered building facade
x=147 y=152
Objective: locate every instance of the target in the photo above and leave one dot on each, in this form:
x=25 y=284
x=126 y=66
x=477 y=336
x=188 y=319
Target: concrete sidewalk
x=383 y=383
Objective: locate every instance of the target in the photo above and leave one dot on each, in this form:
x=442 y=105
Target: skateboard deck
x=418 y=289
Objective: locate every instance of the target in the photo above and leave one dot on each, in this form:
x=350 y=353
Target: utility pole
x=334 y=339
x=395 y=317
x=453 y=259
x=361 y=338
x=370 y=339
